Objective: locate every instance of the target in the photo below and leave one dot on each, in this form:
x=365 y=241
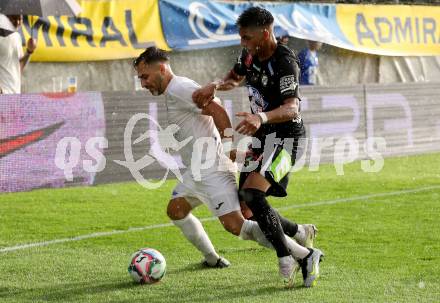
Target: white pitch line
x=134 y=229
x=365 y=197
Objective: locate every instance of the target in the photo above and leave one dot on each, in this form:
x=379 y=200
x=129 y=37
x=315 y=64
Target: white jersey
x=10 y=53
x=184 y=113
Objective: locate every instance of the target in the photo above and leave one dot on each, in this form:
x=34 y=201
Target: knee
x=178 y=209
x=250 y=195
x=255 y=199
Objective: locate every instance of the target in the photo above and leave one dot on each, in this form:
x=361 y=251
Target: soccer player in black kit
x=272 y=75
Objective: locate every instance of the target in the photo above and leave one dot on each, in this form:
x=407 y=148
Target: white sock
x=193 y=230
x=298 y=251
x=251 y=231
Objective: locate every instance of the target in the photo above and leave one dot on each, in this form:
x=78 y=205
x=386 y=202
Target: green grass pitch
x=380 y=232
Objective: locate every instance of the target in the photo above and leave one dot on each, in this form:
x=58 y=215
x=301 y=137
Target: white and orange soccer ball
x=147 y=266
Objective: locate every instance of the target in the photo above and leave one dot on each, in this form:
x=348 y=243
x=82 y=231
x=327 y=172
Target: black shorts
x=276 y=168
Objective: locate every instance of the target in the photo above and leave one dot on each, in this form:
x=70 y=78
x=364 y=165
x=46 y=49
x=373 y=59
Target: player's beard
x=159 y=91
x=160 y=81
x=153 y=91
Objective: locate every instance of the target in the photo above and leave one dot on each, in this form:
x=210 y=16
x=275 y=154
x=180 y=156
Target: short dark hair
x=255 y=17
x=152 y=55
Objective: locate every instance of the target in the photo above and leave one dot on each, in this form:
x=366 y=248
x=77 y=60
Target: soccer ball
x=147 y=266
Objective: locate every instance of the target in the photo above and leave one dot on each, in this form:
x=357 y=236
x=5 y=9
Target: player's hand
x=228 y=84
x=31 y=45
x=249 y=125
x=204 y=95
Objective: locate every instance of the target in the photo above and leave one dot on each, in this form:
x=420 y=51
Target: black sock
x=267 y=218
x=290 y=228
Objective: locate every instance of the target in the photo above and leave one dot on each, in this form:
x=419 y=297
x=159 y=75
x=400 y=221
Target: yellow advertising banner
x=105 y=30
x=396 y=30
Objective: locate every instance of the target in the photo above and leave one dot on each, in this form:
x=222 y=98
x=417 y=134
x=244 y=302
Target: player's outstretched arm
x=220 y=117
x=252 y=122
x=231 y=80
x=204 y=95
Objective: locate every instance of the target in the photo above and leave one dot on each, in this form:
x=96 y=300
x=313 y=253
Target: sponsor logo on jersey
x=257 y=102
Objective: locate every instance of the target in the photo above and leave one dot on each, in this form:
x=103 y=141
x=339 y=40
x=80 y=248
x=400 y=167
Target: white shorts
x=218 y=190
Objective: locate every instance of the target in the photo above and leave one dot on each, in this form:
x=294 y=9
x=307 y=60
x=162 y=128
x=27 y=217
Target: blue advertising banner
x=394 y=30
x=189 y=24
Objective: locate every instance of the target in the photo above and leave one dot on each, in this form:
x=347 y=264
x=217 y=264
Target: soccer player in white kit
x=216 y=185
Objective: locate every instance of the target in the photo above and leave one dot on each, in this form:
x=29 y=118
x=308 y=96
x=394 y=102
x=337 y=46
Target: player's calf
x=232 y=222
